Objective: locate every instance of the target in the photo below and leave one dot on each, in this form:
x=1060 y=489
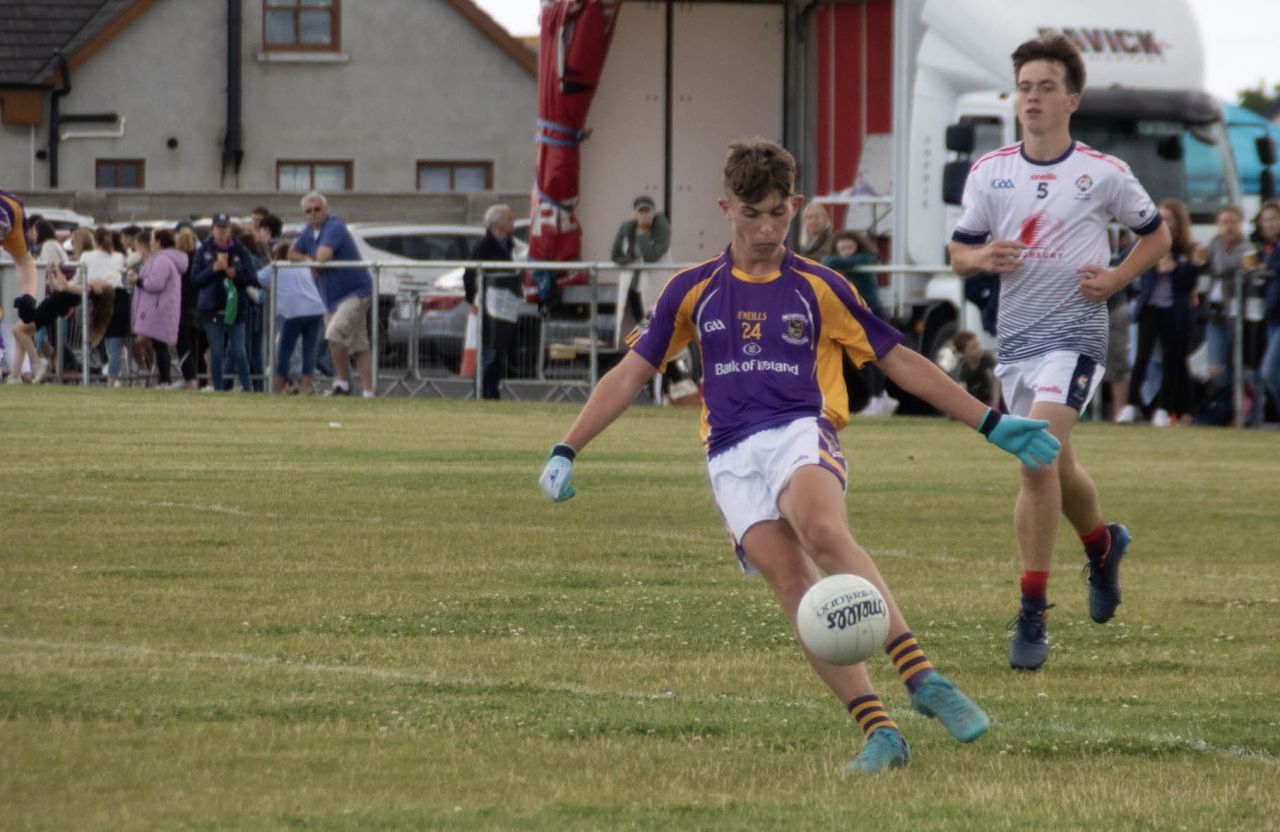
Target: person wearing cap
x=223 y=271
x=644 y=238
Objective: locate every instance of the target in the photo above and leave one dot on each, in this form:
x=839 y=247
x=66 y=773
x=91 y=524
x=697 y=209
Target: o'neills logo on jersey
x=1123 y=43
x=1043 y=177
x=1038 y=231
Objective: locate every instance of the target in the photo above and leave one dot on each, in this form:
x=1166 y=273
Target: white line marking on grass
x=212 y=508
x=1160 y=741
x=139 y=652
x=1233 y=752
x=43 y=647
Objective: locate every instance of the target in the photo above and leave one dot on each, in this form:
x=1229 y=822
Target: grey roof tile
x=33 y=33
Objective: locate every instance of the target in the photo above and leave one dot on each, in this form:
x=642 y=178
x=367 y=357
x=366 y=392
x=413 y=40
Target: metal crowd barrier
x=588 y=294
x=553 y=382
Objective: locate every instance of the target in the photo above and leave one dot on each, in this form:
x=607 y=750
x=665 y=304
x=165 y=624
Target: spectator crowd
x=172 y=310
x=1173 y=356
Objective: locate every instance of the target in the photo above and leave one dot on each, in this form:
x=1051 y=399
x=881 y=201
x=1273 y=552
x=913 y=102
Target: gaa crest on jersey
x=795 y=329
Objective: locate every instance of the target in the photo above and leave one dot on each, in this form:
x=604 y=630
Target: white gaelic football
x=843 y=619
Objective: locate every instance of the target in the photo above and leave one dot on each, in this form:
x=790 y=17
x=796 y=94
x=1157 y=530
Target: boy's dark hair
x=44 y=231
x=756 y=168
x=865 y=242
x=847 y=234
x=963 y=339
x=143 y=236
x=1052 y=48
x=273 y=224
x=163 y=238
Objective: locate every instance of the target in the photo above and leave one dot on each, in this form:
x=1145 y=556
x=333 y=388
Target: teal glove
x=1027 y=439
x=555 y=474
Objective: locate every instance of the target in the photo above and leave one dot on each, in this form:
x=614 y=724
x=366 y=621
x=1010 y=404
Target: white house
x=365 y=96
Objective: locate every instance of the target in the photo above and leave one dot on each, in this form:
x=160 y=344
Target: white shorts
x=747 y=478
x=1059 y=377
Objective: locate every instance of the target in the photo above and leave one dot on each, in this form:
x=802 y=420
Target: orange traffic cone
x=468 y=368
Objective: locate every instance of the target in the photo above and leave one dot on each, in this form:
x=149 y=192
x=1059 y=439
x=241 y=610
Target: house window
x=301 y=176
x=455 y=176
x=301 y=24
x=119 y=173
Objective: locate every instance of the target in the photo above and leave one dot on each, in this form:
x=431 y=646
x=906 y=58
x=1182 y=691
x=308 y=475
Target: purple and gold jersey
x=15 y=241
x=771 y=344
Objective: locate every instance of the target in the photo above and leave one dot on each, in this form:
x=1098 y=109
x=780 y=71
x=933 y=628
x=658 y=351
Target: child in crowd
x=65 y=295
x=854 y=249
x=976 y=369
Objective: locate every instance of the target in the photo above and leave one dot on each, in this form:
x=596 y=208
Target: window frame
x=348 y=166
x=139 y=164
x=335 y=27
x=452 y=165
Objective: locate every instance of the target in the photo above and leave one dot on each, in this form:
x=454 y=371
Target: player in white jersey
x=1046 y=204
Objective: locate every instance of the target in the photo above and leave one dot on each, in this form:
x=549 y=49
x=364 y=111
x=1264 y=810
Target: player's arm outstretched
x=1027 y=439
x=612 y=395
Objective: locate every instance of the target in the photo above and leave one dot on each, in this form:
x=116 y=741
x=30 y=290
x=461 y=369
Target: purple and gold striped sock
x=870 y=714
x=913 y=665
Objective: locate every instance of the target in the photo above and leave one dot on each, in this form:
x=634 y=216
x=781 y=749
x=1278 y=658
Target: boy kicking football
x=772 y=327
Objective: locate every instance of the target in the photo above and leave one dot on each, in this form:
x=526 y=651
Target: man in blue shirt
x=347 y=292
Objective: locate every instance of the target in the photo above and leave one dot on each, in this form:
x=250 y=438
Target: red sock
x=1035 y=586
x=1097 y=542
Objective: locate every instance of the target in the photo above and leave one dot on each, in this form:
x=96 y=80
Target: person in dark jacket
x=1163 y=308
x=503 y=297
x=223 y=271
x=191 y=340
x=1269 y=258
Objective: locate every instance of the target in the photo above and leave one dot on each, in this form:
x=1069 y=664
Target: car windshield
x=425 y=246
x=1201 y=177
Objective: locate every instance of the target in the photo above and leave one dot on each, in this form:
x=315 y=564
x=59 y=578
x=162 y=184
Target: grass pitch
x=280 y=613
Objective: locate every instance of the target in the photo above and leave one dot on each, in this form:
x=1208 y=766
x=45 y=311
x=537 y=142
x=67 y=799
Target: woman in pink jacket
x=158 y=307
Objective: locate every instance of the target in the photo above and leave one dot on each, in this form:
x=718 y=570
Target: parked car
x=433 y=296
x=521 y=233
x=64 y=220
